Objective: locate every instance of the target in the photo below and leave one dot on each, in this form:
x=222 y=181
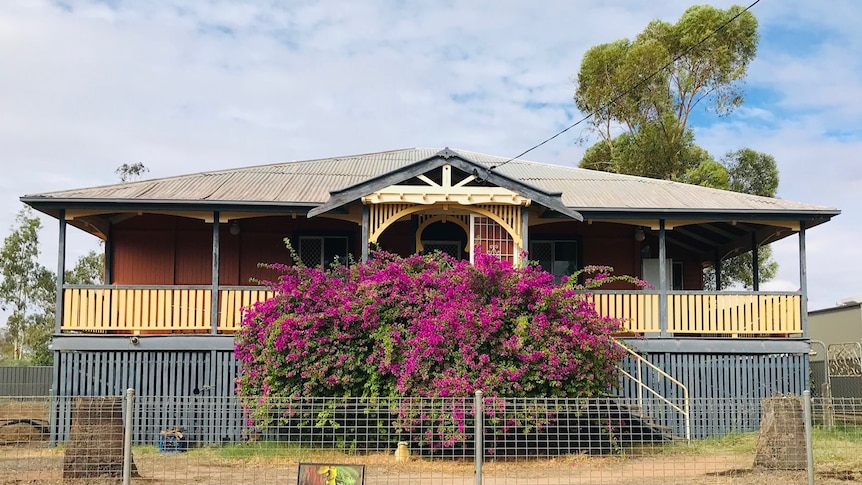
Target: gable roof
x=310 y=183
x=446 y=156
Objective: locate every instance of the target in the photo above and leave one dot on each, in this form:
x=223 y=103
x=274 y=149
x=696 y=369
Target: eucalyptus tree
x=642 y=92
x=20 y=277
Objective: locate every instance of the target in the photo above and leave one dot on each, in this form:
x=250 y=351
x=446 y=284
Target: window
x=560 y=257
x=678 y=275
x=452 y=248
x=322 y=250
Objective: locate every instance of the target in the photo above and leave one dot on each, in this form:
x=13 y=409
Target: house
x=182 y=254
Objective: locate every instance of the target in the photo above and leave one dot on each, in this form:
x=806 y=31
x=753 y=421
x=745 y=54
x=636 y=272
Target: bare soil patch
x=23 y=422
x=29 y=465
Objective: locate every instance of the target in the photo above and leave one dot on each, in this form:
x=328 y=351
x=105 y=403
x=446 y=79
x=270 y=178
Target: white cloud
x=198 y=86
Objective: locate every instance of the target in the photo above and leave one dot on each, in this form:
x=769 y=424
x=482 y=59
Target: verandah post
x=479 y=433
x=755 y=263
x=61 y=273
x=214 y=295
x=525 y=229
x=717 y=264
x=662 y=280
x=803 y=281
x=366 y=221
x=109 y=255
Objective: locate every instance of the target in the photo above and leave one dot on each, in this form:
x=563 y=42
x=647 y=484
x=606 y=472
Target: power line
x=632 y=88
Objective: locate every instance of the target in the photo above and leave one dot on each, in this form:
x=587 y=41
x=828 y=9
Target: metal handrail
x=642 y=386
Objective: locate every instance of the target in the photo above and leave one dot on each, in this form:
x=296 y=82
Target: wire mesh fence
x=435 y=441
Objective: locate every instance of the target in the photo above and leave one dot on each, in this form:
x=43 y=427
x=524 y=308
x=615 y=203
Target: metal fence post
x=479 y=434
x=809 y=439
x=53 y=418
x=828 y=406
x=127 y=436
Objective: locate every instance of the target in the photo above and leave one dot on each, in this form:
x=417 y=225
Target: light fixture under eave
x=639 y=234
x=234 y=228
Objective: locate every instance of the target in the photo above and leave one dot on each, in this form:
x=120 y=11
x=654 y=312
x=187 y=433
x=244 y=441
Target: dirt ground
x=23 y=422
x=33 y=464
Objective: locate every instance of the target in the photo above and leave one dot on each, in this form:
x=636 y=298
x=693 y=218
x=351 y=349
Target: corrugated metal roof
x=311 y=181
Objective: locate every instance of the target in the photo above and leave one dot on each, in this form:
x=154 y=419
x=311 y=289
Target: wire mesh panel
x=311 y=251
x=613 y=441
x=321 y=434
x=434 y=441
x=837 y=440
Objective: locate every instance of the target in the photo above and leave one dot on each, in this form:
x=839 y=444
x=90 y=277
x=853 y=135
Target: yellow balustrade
x=734 y=314
x=154 y=310
x=184 y=310
x=231 y=303
x=706 y=314
x=136 y=310
x=638 y=310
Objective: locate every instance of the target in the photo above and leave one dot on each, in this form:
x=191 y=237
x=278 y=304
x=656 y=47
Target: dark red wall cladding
x=156 y=249
x=168 y=250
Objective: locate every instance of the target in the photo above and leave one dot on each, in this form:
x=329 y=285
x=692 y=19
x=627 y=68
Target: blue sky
x=193 y=86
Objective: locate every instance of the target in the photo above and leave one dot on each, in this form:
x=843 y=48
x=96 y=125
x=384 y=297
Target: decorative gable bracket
x=445 y=193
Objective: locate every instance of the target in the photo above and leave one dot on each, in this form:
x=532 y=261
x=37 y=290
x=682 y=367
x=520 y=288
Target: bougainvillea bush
x=425 y=326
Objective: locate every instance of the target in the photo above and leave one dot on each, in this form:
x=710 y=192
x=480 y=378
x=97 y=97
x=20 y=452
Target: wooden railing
x=734 y=314
x=186 y=310
x=637 y=309
x=231 y=302
x=154 y=309
x=717 y=314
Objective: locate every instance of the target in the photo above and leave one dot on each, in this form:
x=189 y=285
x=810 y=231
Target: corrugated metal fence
x=25 y=381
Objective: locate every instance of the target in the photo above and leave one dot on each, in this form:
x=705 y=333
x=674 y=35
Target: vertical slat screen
x=725 y=389
x=198 y=386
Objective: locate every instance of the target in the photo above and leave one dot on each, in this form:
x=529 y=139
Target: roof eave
x=715 y=214
x=49 y=205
